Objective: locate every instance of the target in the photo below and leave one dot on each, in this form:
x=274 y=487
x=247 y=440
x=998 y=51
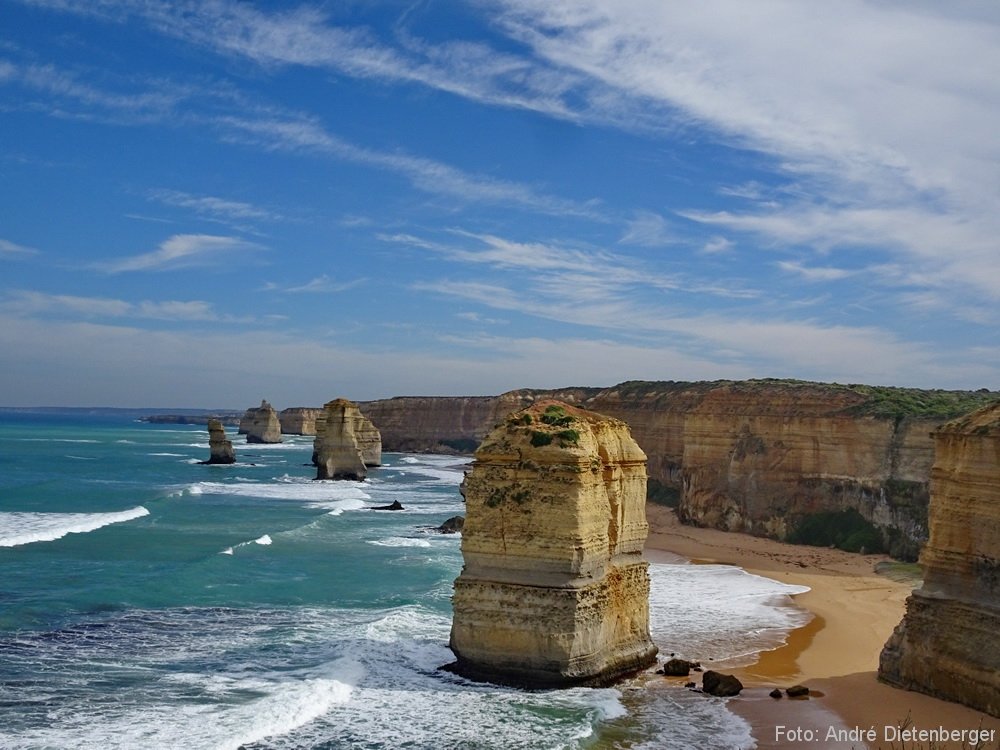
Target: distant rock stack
x=221 y=449
x=338 y=455
x=554 y=590
x=947 y=644
x=261 y=425
x=298 y=420
x=365 y=433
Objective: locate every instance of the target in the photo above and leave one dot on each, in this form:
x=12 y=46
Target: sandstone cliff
x=337 y=453
x=261 y=425
x=299 y=420
x=947 y=643
x=221 y=449
x=554 y=590
x=755 y=456
x=367 y=436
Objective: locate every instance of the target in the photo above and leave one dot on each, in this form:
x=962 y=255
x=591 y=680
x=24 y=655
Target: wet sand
x=835 y=655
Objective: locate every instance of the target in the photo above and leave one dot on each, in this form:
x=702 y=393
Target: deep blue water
x=149 y=601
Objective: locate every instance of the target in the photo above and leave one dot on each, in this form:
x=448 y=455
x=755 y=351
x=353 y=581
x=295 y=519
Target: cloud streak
x=181 y=251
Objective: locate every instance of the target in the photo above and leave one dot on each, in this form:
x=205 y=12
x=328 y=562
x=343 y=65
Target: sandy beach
x=836 y=654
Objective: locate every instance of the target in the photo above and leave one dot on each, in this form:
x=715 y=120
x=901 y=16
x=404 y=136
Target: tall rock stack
x=366 y=434
x=221 y=449
x=261 y=425
x=947 y=643
x=554 y=590
x=337 y=453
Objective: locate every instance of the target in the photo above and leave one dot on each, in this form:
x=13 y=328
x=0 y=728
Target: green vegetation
x=524 y=419
x=662 y=494
x=556 y=416
x=568 y=437
x=538 y=439
x=899 y=403
x=844 y=529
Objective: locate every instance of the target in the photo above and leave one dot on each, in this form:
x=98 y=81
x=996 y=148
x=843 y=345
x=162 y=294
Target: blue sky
x=207 y=203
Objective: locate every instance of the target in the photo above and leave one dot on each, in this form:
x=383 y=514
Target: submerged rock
x=554 y=590
x=453 y=525
x=395 y=505
x=797 y=691
x=947 y=644
x=337 y=452
x=261 y=425
x=221 y=449
x=678 y=667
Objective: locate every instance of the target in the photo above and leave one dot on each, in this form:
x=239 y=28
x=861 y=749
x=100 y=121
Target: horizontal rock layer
x=554 y=590
x=261 y=424
x=947 y=643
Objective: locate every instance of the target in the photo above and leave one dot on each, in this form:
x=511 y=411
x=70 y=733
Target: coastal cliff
x=763 y=456
x=298 y=420
x=947 y=643
x=554 y=590
x=261 y=424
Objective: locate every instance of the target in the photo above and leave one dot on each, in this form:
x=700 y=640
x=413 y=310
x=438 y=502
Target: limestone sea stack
x=365 y=433
x=947 y=644
x=221 y=449
x=261 y=425
x=554 y=590
x=298 y=420
x=337 y=453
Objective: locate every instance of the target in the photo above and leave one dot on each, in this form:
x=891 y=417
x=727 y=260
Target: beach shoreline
x=835 y=654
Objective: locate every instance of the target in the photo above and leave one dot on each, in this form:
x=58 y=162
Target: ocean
x=147 y=601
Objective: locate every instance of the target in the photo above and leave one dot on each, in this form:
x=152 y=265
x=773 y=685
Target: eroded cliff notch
x=337 y=453
x=947 y=643
x=554 y=590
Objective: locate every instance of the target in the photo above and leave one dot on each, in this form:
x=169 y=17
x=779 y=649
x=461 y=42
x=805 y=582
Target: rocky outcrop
x=947 y=643
x=261 y=425
x=298 y=420
x=554 y=590
x=367 y=436
x=337 y=453
x=221 y=449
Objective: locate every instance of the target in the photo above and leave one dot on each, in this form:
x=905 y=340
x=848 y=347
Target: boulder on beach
x=720 y=685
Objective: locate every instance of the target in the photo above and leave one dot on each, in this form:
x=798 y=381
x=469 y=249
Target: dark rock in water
x=677 y=668
x=797 y=691
x=396 y=505
x=776 y=694
x=721 y=685
x=221 y=449
x=453 y=525
x=690 y=685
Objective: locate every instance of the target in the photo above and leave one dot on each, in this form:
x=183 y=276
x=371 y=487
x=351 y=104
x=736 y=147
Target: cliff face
x=554 y=590
x=298 y=420
x=947 y=643
x=261 y=425
x=366 y=435
x=755 y=456
x=337 y=453
x=221 y=449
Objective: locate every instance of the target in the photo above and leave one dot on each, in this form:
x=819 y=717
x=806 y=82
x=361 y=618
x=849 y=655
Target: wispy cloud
x=182 y=251
x=320 y=285
x=815 y=273
x=13 y=250
x=30 y=302
x=647 y=229
x=213 y=207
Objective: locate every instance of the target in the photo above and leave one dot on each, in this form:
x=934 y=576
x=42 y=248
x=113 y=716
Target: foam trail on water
x=18 y=528
x=400 y=541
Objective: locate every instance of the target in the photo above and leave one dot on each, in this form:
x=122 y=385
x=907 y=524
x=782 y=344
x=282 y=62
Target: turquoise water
x=149 y=601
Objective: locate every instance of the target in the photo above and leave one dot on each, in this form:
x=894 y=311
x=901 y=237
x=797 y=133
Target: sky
x=208 y=203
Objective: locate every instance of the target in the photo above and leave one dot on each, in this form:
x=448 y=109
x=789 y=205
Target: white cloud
x=182 y=251
x=647 y=229
x=818 y=274
x=212 y=206
x=320 y=285
x=12 y=249
x=717 y=244
x=24 y=302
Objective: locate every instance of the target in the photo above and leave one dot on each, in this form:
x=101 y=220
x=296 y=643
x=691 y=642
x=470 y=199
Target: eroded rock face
x=337 y=454
x=261 y=425
x=298 y=420
x=366 y=435
x=221 y=449
x=947 y=643
x=554 y=590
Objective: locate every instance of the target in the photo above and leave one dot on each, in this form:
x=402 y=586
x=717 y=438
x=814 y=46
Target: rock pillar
x=947 y=644
x=221 y=449
x=554 y=590
x=261 y=425
x=337 y=453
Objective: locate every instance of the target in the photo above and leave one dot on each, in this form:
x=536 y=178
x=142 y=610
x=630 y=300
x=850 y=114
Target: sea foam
x=18 y=528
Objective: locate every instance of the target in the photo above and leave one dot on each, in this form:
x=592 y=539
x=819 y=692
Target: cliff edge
x=947 y=643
